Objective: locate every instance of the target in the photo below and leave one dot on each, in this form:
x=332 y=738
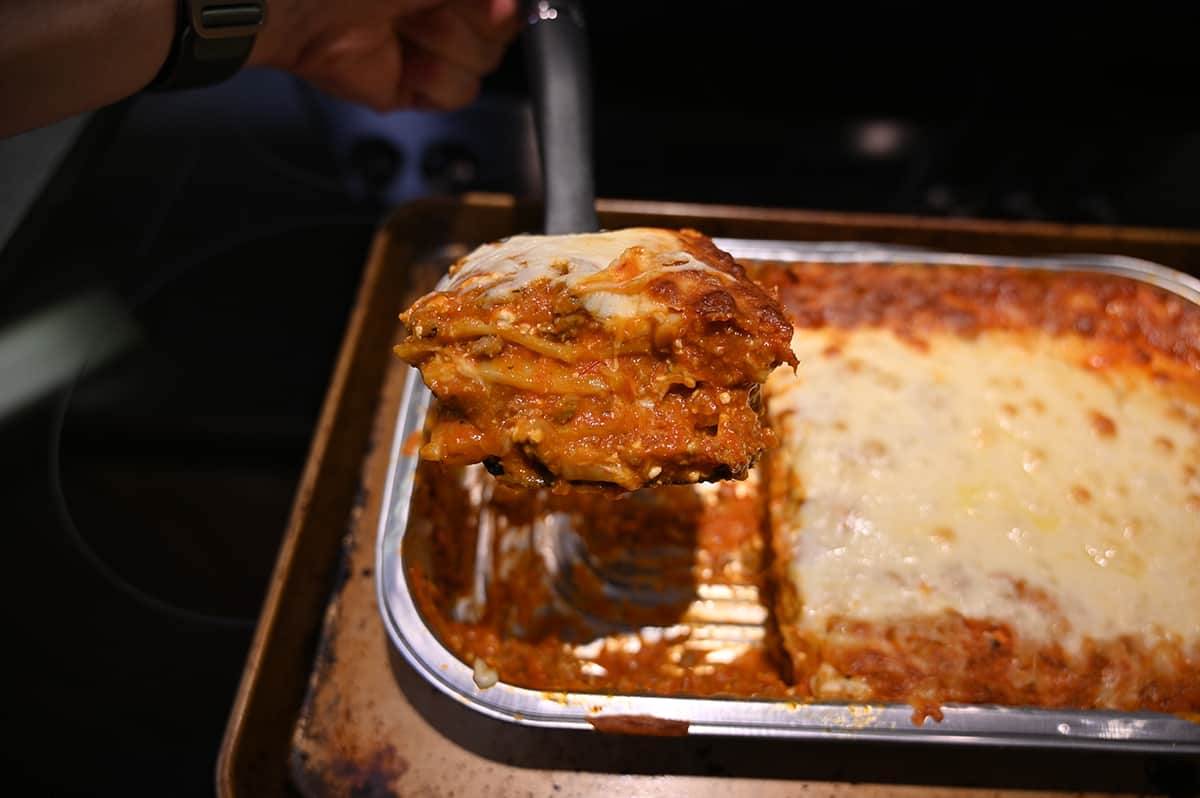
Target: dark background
x=226 y=228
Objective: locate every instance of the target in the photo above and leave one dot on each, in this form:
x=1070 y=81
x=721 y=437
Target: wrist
x=277 y=36
x=213 y=39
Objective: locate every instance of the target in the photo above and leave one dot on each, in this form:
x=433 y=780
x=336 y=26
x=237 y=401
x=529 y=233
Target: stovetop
x=192 y=271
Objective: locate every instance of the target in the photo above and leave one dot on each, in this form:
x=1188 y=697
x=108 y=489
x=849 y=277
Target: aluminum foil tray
x=726 y=615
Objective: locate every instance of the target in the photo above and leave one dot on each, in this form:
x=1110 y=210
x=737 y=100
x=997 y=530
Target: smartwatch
x=212 y=41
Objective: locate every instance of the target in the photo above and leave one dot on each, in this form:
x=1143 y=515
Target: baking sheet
x=974 y=724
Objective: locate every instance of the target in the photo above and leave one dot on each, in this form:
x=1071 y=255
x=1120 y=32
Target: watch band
x=213 y=39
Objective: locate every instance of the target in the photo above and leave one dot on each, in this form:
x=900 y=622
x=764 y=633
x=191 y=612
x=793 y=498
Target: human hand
x=390 y=54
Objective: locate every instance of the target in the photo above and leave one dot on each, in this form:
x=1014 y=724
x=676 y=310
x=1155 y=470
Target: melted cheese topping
x=940 y=480
x=578 y=261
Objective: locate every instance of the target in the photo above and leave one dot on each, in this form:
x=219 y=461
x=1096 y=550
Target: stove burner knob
x=449 y=166
x=377 y=161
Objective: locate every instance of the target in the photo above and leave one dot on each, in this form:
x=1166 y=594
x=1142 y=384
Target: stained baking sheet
x=974 y=724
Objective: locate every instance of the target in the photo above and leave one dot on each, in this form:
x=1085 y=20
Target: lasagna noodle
x=627 y=358
x=982 y=511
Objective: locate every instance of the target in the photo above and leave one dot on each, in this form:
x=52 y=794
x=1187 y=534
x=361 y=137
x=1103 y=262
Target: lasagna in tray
x=627 y=358
x=986 y=490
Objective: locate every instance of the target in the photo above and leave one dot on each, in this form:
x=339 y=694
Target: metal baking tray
x=962 y=724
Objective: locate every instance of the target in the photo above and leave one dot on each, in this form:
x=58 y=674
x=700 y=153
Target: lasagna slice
x=627 y=358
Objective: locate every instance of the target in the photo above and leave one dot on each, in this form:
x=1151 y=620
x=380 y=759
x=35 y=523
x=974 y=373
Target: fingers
x=431 y=54
x=295 y=27
x=363 y=66
x=435 y=82
x=447 y=34
x=500 y=19
x=448 y=49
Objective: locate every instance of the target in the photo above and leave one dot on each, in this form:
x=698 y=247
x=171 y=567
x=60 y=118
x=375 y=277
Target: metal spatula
x=557 y=52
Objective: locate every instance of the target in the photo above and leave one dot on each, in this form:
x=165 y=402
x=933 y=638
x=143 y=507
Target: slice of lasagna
x=627 y=358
